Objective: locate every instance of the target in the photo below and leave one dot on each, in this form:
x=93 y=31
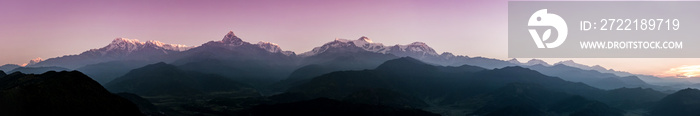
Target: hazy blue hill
x=38 y=70
x=347 y=58
x=571 y=73
x=685 y=102
x=334 y=59
x=310 y=71
x=301 y=76
x=407 y=64
x=580 y=106
x=632 y=98
x=465 y=87
x=448 y=59
x=59 y=93
x=9 y=67
x=492 y=79
x=488 y=63
x=384 y=97
x=430 y=81
x=412 y=77
x=633 y=80
x=329 y=107
x=526 y=99
x=593 y=78
x=108 y=71
x=515 y=99
x=338 y=60
x=165 y=79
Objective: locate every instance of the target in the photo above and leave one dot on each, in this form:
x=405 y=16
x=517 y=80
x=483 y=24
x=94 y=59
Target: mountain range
x=236 y=59
x=231 y=76
x=466 y=90
x=234 y=77
x=118 y=49
x=682 y=103
x=401 y=86
x=242 y=61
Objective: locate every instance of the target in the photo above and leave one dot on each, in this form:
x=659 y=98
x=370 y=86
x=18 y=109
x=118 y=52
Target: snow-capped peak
x=363 y=42
x=231 y=38
x=130 y=45
x=123 y=44
x=368 y=45
x=272 y=47
x=175 y=47
x=232 y=42
x=417 y=47
x=120 y=40
x=267 y=43
x=35 y=60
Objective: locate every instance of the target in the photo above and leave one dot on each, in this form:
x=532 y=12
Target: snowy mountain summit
x=367 y=44
x=231 y=42
x=125 y=45
x=273 y=48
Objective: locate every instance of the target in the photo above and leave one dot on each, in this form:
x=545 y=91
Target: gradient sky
x=47 y=29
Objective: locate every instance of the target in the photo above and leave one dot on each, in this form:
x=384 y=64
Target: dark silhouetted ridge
x=580 y=106
x=144 y=105
x=38 y=70
x=385 y=97
x=632 y=98
x=329 y=107
x=685 y=102
x=59 y=93
x=405 y=63
x=165 y=79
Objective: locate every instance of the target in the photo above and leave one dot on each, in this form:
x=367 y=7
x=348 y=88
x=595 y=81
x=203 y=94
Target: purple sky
x=46 y=29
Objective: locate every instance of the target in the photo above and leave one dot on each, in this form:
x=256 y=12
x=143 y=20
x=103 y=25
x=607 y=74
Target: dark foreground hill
x=145 y=106
x=165 y=79
x=329 y=107
x=685 y=102
x=108 y=71
x=59 y=93
x=38 y=70
x=408 y=82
